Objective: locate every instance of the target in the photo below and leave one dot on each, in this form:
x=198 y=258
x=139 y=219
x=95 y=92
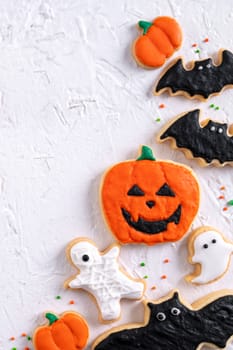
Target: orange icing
x=159 y=42
x=68 y=332
x=150 y=176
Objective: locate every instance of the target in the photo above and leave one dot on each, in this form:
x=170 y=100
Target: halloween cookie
x=207 y=141
x=202 y=80
x=67 y=331
x=172 y=324
x=210 y=252
x=158 y=41
x=102 y=277
x=149 y=201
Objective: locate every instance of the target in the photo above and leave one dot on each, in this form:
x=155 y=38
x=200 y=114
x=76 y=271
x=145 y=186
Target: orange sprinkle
x=71 y=302
x=225 y=209
x=12 y=338
x=206 y=40
x=162 y=105
x=23 y=335
x=194 y=45
x=163 y=277
x=222 y=188
x=166 y=261
x=153 y=287
x=221 y=197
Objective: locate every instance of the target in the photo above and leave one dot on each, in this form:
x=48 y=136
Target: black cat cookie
x=173 y=324
x=202 y=80
x=208 y=141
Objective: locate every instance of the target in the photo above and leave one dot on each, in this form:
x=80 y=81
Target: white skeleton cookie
x=100 y=275
x=210 y=252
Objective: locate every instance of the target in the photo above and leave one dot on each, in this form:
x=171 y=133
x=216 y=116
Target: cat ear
x=151 y=306
x=175 y=295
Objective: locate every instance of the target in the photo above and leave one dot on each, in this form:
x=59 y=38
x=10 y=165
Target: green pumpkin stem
x=51 y=317
x=145 y=26
x=146 y=154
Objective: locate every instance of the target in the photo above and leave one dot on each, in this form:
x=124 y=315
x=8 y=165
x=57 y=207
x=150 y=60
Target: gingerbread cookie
x=209 y=142
x=172 y=324
x=158 y=41
x=210 y=252
x=202 y=80
x=68 y=331
x=102 y=277
x=149 y=201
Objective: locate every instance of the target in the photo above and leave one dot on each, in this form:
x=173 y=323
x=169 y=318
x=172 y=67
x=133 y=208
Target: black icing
x=135 y=190
x=184 y=331
x=209 y=143
x=165 y=190
x=204 y=79
x=151 y=227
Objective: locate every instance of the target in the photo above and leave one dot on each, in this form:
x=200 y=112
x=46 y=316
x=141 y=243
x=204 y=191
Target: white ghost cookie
x=210 y=252
x=100 y=275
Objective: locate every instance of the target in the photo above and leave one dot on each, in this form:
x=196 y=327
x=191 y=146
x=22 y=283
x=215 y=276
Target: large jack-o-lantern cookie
x=149 y=201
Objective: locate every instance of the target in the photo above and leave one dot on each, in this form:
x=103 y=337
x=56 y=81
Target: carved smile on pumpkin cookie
x=152 y=227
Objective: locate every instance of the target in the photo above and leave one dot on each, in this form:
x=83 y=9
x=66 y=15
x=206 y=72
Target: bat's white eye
x=161 y=316
x=220 y=130
x=175 y=311
x=208 y=65
x=212 y=128
x=200 y=67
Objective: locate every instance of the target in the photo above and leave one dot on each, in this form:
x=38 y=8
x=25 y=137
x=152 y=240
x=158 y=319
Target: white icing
x=213 y=257
x=100 y=276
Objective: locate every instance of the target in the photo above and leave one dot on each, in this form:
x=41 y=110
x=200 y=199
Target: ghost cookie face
x=149 y=201
x=210 y=252
x=102 y=277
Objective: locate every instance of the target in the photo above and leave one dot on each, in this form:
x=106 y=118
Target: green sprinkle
x=29 y=338
x=230 y=202
x=13 y=349
x=145 y=277
x=58 y=297
x=212 y=105
x=142 y=264
x=216 y=108
x=158 y=120
x=197 y=51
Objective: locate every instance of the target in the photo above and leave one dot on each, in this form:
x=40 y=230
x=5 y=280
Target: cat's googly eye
x=212 y=128
x=200 y=67
x=175 y=311
x=220 y=130
x=85 y=258
x=161 y=316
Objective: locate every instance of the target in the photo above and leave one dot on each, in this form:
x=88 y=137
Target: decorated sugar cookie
x=172 y=323
x=149 y=201
x=208 y=142
x=210 y=252
x=202 y=80
x=67 y=331
x=101 y=276
x=158 y=41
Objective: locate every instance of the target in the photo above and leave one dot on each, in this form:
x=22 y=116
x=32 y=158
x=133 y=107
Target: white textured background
x=72 y=103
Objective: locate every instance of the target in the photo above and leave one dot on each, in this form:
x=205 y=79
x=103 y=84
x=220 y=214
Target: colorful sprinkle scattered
x=225 y=209
x=29 y=338
x=222 y=188
x=142 y=264
x=27 y=348
x=153 y=287
x=163 y=277
x=71 y=302
x=145 y=277
x=212 y=105
x=197 y=51
x=166 y=261
x=216 y=108
x=158 y=120
x=58 y=297
x=194 y=45
x=13 y=349
x=221 y=197
x=162 y=105
x=230 y=202
x=23 y=335
x=206 y=40
x=12 y=338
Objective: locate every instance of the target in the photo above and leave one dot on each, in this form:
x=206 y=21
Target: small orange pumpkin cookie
x=69 y=331
x=159 y=40
x=149 y=201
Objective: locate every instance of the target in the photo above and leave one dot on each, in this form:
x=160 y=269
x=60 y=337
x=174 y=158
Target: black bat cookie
x=209 y=141
x=171 y=325
x=201 y=81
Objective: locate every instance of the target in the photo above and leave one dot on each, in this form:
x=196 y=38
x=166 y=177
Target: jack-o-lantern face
x=149 y=201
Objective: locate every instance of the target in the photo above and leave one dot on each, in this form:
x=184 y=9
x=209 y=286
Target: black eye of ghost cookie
x=205 y=246
x=85 y=258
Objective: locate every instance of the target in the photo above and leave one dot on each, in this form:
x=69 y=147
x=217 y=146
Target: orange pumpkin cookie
x=159 y=40
x=149 y=201
x=69 y=331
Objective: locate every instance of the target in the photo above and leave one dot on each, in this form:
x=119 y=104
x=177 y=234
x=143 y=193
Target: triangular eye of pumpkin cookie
x=165 y=190
x=135 y=190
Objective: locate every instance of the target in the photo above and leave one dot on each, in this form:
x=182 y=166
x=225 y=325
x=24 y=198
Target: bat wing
x=218 y=321
x=202 y=81
x=209 y=143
